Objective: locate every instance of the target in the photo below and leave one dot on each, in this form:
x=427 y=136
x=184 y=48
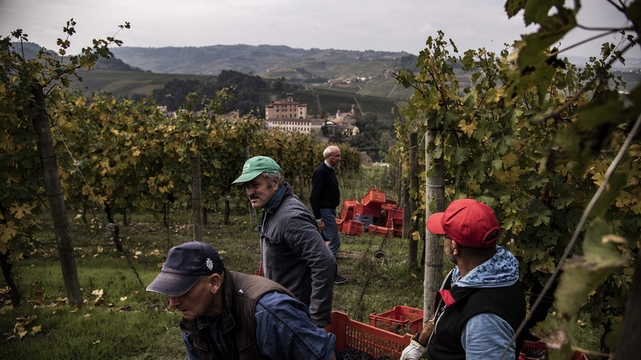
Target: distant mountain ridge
x=260 y=59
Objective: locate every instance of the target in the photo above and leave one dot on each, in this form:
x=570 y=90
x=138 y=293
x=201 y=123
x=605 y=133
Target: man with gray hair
x=324 y=199
x=293 y=251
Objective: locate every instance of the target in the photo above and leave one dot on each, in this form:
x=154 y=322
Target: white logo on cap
x=246 y=167
x=209 y=263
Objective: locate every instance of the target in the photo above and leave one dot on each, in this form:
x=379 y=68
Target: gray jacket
x=295 y=255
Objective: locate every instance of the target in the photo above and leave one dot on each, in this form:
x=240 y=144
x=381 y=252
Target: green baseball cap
x=256 y=166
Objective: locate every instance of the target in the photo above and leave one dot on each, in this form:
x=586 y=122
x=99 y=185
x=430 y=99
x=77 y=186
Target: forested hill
x=261 y=59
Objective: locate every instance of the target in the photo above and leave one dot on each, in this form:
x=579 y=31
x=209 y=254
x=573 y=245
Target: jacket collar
x=278 y=197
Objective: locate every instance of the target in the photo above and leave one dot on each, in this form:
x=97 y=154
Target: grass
x=130 y=83
x=117 y=321
x=126 y=322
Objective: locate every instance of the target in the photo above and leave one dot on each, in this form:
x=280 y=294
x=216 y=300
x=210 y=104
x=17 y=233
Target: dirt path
x=359 y=107
x=391 y=91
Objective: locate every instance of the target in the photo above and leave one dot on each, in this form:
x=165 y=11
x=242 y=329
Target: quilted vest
x=241 y=294
x=506 y=302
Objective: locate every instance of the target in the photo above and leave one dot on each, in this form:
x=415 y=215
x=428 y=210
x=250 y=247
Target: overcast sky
x=381 y=25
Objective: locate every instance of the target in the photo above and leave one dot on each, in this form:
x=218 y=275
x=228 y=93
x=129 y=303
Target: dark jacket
x=237 y=321
x=296 y=256
x=325 y=191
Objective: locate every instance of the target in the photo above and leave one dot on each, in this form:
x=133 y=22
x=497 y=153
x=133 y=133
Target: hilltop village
x=291 y=115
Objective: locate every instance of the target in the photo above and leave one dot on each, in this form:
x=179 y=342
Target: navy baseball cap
x=185 y=264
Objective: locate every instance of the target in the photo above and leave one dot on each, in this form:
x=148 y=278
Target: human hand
x=413 y=351
x=321 y=225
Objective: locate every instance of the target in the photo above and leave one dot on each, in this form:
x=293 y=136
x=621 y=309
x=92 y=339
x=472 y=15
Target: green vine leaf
x=607 y=107
x=512 y=7
x=537 y=11
x=582 y=273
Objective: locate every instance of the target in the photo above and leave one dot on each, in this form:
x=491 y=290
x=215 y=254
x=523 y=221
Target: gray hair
x=273 y=178
x=329 y=150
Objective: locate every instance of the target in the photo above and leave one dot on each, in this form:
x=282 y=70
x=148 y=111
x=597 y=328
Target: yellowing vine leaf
x=468 y=129
x=20 y=211
x=7 y=232
x=36 y=329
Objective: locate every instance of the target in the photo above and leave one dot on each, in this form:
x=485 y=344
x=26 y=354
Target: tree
x=28 y=88
x=534 y=136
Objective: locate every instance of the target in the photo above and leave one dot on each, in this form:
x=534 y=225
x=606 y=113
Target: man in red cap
x=481 y=303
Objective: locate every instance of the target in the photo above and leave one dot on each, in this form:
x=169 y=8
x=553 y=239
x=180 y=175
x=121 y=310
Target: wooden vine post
x=64 y=242
x=410 y=207
x=434 y=202
x=196 y=199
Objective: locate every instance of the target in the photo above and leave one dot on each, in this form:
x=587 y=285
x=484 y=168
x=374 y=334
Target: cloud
x=340 y=24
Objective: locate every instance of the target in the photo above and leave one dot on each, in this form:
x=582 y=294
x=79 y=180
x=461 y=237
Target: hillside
x=346 y=77
x=341 y=78
x=367 y=73
x=261 y=59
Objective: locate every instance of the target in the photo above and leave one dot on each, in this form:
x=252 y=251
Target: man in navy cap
x=230 y=315
x=293 y=251
x=481 y=303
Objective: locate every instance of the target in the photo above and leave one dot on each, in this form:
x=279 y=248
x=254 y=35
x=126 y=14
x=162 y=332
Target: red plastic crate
x=351 y=227
x=381 y=231
x=388 y=205
x=374 y=196
x=368 y=339
x=393 y=215
x=373 y=210
x=534 y=350
x=347 y=211
x=339 y=224
x=400 y=320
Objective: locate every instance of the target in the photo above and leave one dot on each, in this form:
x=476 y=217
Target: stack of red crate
x=392 y=217
x=376 y=213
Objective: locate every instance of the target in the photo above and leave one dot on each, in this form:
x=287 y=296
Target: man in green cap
x=293 y=251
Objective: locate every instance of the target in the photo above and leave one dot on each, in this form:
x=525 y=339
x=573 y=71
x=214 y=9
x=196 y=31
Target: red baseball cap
x=467 y=222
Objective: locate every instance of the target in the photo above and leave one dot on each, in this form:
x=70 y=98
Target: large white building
x=287 y=108
x=312 y=126
x=290 y=115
